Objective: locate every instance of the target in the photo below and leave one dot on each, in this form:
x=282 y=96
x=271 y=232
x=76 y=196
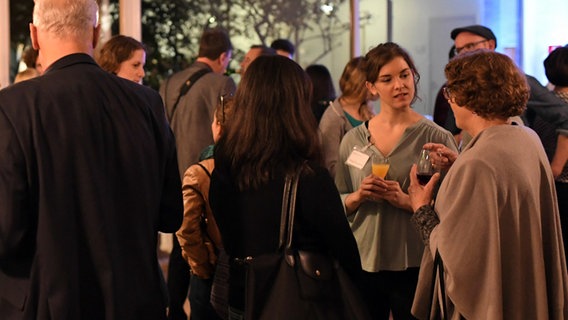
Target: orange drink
x=380 y=166
x=381 y=169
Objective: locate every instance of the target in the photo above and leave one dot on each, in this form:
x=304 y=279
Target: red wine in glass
x=424 y=168
x=423 y=178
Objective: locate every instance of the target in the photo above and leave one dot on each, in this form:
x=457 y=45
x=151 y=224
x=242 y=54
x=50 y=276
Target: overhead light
x=327 y=8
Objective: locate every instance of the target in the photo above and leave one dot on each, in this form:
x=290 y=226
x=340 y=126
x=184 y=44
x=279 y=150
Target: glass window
x=21 y=52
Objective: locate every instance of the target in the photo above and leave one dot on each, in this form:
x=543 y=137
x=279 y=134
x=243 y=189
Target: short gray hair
x=64 y=18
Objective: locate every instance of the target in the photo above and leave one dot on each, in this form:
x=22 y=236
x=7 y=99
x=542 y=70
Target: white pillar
x=355 y=34
x=130 y=15
x=105 y=20
x=4 y=43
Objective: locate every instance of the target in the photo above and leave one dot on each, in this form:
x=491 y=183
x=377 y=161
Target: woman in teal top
x=379 y=209
x=348 y=111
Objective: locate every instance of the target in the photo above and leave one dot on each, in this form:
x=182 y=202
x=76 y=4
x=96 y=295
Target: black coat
x=249 y=221
x=88 y=176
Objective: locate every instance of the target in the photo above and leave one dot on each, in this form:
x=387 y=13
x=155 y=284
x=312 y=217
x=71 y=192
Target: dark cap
x=476 y=29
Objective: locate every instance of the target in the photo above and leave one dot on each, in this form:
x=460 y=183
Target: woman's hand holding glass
x=378 y=186
x=421 y=195
x=373 y=188
x=388 y=190
x=441 y=156
x=395 y=196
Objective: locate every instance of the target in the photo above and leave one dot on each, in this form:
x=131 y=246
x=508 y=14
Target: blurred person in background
x=556 y=70
x=284 y=48
x=352 y=108
x=254 y=52
x=190 y=97
x=123 y=56
x=323 y=90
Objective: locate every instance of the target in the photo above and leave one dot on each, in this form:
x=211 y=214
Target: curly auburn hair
x=487 y=83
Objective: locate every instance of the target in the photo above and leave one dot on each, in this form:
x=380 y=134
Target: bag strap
x=439 y=270
x=292 y=208
x=288 y=209
x=204 y=169
x=186 y=86
x=442 y=285
x=284 y=212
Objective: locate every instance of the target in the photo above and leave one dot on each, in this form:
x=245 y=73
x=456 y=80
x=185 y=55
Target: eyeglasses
x=468 y=47
x=447 y=93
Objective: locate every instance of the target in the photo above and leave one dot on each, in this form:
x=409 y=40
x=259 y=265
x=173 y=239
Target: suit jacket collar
x=69 y=60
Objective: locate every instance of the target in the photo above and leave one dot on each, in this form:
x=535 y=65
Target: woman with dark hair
x=323 y=92
x=555 y=144
x=271 y=134
x=123 y=56
x=378 y=209
x=495 y=224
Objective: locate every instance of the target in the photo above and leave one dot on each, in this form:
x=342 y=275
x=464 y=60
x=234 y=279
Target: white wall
x=544 y=25
x=412 y=29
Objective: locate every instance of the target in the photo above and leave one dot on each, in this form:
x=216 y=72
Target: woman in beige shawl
x=495 y=223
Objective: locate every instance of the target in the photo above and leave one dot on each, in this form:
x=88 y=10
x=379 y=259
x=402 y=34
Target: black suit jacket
x=88 y=176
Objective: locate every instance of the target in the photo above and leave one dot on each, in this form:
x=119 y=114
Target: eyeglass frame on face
x=469 y=46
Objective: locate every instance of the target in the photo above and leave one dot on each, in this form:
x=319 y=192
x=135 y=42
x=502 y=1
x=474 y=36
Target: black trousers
x=178 y=282
x=390 y=291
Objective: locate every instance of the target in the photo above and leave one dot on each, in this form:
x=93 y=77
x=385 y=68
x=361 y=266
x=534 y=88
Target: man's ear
x=222 y=58
x=96 y=35
x=33 y=36
x=492 y=44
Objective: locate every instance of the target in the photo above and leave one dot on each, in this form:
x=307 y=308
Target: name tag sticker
x=357 y=159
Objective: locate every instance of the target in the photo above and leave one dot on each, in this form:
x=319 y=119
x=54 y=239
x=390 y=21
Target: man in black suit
x=88 y=176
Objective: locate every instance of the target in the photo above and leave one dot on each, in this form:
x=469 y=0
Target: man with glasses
x=542 y=103
x=472 y=38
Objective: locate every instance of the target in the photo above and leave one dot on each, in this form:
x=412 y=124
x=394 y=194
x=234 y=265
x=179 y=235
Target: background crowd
x=94 y=164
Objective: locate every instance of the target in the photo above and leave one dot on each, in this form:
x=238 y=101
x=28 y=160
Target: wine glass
x=424 y=168
x=380 y=166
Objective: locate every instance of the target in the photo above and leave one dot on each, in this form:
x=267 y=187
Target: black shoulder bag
x=296 y=284
x=186 y=86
